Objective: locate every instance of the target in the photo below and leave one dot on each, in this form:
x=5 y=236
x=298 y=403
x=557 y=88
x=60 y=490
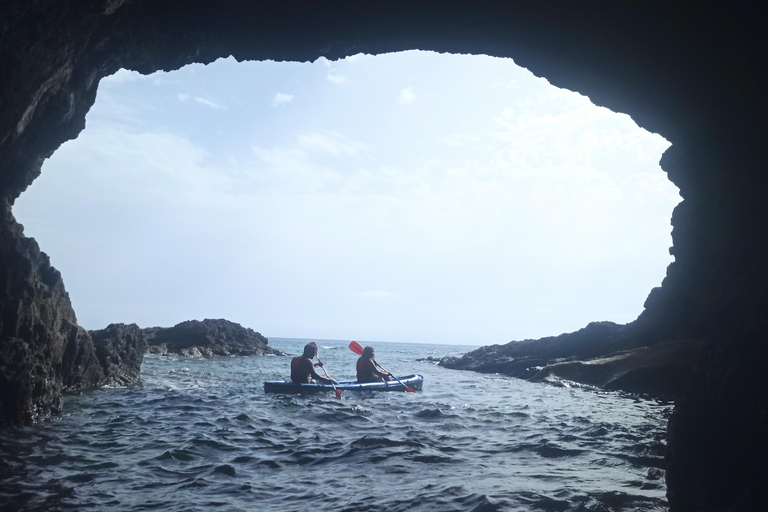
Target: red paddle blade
x=356 y=348
x=408 y=389
x=338 y=393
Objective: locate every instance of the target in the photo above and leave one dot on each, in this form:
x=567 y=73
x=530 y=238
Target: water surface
x=201 y=434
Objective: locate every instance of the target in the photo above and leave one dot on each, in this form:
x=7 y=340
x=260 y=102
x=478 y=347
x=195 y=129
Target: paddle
x=336 y=391
x=357 y=349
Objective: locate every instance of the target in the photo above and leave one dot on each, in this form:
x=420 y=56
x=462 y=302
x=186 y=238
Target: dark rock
x=661 y=370
x=42 y=349
x=718 y=433
x=602 y=355
x=695 y=74
x=80 y=366
x=120 y=349
x=206 y=339
x=526 y=358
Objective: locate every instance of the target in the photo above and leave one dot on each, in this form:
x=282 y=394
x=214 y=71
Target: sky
x=410 y=197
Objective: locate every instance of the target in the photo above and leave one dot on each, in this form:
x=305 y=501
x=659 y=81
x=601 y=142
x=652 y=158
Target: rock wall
x=120 y=350
x=42 y=349
x=697 y=75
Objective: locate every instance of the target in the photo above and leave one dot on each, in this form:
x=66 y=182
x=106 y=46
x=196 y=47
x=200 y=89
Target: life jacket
x=365 y=370
x=298 y=374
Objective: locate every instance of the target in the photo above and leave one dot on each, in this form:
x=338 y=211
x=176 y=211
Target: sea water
x=201 y=435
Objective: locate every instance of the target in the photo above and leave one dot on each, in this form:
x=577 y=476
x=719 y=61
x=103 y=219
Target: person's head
x=310 y=350
x=368 y=352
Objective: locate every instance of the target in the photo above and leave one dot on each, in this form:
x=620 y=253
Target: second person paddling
x=368 y=370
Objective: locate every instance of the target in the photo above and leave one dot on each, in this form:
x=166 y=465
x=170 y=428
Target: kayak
x=414 y=382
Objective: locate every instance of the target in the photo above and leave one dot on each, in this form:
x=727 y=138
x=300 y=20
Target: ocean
x=201 y=435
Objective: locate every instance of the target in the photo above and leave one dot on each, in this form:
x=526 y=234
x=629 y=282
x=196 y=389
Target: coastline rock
x=81 y=368
x=522 y=358
x=207 y=338
x=120 y=350
x=603 y=355
x=661 y=370
x=42 y=349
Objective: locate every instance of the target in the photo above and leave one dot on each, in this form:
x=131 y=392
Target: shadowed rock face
x=42 y=349
x=695 y=75
x=120 y=350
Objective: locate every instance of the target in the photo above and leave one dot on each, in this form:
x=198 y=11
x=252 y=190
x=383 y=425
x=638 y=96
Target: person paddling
x=368 y=369
x=303 y=368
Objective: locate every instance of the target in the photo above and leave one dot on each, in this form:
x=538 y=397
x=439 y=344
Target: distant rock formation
x=207 y=338
x=603 y=354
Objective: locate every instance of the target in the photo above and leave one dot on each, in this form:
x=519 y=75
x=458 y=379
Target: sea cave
x=694 y=75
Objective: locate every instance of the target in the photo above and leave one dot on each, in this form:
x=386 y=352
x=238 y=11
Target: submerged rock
x=207 y=338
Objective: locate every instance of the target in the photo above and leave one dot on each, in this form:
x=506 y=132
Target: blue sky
x=404 y=197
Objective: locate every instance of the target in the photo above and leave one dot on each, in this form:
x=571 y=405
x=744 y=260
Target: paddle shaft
x=335 y=391
x=393 y=376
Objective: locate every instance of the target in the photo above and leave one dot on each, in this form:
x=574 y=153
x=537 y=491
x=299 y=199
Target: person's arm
x=318 y=378
x=377 y=370
x=322 y=380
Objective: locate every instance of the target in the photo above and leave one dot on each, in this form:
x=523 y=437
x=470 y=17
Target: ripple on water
x=198 y=435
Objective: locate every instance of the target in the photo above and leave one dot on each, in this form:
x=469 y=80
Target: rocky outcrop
x=120 y=350
x=80 y=366
x=207 y=338
x=602 y=355
x=661 y=370
x=526 y=358
x=42 y=349
x=697 y=75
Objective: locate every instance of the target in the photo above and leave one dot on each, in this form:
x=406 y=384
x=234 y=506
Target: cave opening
x=412 y=196
x=694 y=75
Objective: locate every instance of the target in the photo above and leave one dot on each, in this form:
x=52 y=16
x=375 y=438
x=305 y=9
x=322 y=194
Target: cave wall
x=695 y=75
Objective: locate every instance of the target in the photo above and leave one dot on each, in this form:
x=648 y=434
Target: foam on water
x=202 y=435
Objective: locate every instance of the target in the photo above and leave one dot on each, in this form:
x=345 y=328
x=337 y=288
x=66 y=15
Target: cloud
x=337 y=79
x=331 y=143
x=406 y=96
x=184 y=97
x=332 y=76
x=303 y=166
x=281 y=99
x=209 y=103
x=123 y=76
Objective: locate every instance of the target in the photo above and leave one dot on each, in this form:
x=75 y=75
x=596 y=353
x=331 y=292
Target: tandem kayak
x=414 y=382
